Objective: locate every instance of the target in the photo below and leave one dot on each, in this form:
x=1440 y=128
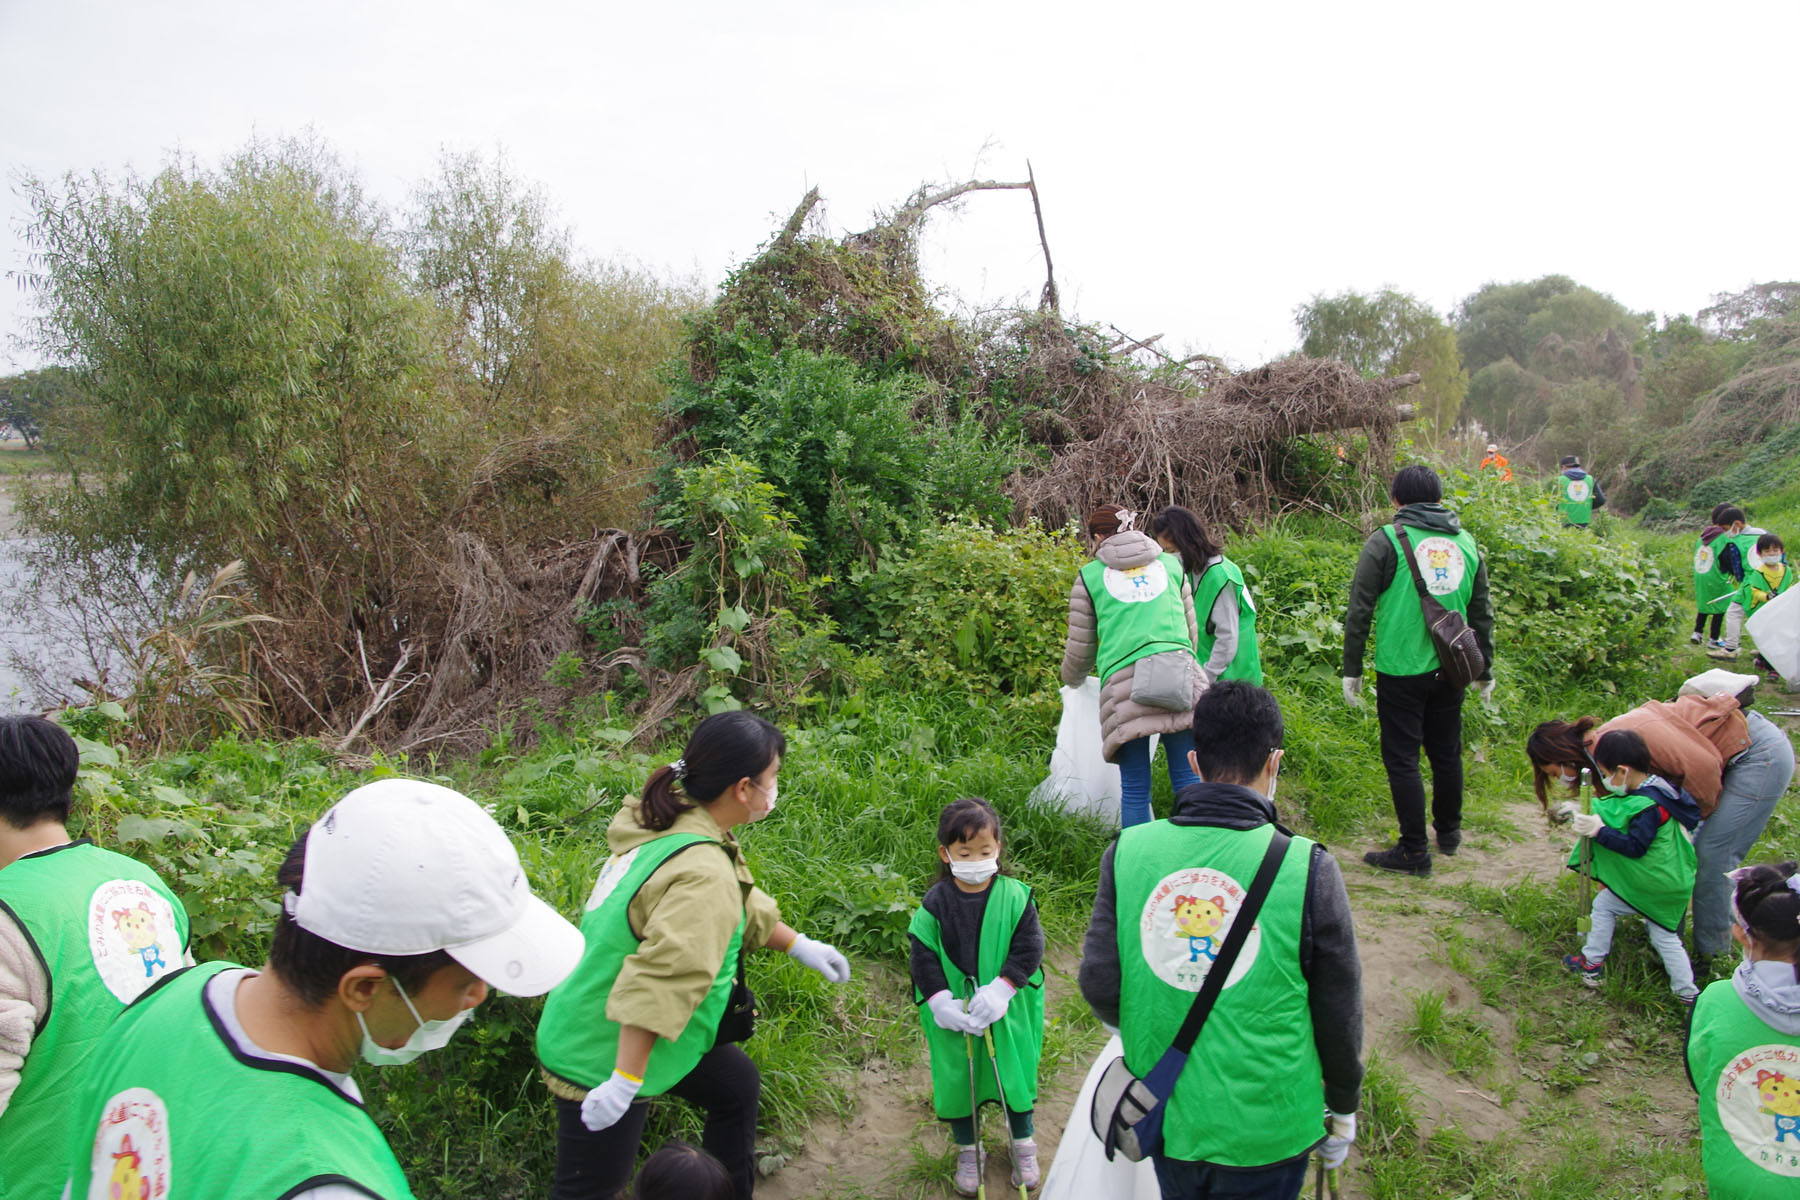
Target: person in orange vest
x=1498 y=462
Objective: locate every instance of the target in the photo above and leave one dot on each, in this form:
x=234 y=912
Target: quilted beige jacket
x=1121 y=720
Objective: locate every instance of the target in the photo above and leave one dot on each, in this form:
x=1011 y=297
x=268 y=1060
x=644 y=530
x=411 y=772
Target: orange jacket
x=1499 y=463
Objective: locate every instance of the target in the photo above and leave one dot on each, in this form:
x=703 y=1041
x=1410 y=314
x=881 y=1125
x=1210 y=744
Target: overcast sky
x=1204 y=167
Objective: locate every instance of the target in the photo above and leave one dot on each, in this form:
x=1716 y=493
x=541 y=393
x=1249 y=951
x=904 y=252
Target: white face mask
x=774 y=790
x=976 y=870
x=1617 y=789
x=430 y=1035
x=1567 y=780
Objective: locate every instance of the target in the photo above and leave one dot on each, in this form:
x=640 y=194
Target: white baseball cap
x=402 y=867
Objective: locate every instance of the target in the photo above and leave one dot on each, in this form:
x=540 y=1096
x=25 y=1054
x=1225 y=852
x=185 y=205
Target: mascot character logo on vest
x=1442 y=564
x=1759 y=1105
x=1781 y=1100
x=1197 y=920
x=1703 y=560
x=131 y=1153
x=612 y=873
x=132 y=936
x=1578 y=490
x=1137 y=585
x=1184 y=924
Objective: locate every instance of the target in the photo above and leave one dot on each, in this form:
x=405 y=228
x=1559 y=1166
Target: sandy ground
x=1399 y=920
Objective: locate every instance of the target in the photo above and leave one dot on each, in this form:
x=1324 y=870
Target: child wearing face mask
x=1642 y=857
x=1743 y=1043
x=1769 y=580
x=977 y=967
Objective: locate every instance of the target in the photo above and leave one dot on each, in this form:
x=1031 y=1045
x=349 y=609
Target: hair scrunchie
x=679 y=768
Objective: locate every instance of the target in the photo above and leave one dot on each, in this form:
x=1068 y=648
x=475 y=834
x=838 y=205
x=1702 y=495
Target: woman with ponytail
x=1745 y=1041
x=658 y=1000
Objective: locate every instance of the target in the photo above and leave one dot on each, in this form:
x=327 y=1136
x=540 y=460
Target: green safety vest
x=1577 y=503
x=1714 y=590
x=1246 y=664
x=171 y=1112
x=103 y=927
x=1137 y=612
x=1448 y=562
x=1252 y=1092
x=1748 y=1079
x=1659 y=884
x=1760 y=582
x=575 y=1039
x=1018 y=1036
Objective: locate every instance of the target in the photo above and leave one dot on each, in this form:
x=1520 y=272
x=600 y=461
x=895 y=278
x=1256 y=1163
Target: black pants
x=1415 y=711
x=597 y=1166
x=1717 y=619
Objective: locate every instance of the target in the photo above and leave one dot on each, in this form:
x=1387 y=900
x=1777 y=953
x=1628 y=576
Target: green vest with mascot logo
x=1577 y=502
x=1448 y=562
x=1246 y=664
x=1713 y=588
x=1137 y=612
x=1756 y=581
x=1748 y=1079
x=172 y=1113
x=1252 y=1092
x=575 y=1040
x=1659 y=884
x=104 y=928
x=1018 y=1036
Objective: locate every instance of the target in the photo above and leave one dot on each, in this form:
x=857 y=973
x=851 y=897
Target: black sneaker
x=1448 y=842
x=1399 y=860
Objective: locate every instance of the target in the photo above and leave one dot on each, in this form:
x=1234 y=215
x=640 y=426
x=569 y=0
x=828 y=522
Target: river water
x=27 y=628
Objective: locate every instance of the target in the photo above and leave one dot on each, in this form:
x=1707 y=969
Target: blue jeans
x=1203 y=1181
x=1133 y=759
x=1754 y=781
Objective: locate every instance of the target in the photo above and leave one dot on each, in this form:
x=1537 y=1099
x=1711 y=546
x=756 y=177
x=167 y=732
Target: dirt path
x=1416 y=937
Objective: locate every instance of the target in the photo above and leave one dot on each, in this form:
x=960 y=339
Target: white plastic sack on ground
x=1717 y=682
x=1080 y=1170
x=1776 y=628
x=1081 y=780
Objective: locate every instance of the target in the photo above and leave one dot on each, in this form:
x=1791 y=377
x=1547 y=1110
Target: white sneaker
x=968 y=1171
x=1695 y=638
x=1025 y=1164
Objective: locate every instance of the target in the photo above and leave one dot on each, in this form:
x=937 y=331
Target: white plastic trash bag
x=1079 y=1171
x=1776 y=628
x=1080 y=777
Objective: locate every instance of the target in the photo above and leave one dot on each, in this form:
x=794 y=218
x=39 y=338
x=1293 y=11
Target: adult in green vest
x=1134 y=602
x=1227 y=615
x=1744 y=1042
x=1578 y=493
x=1416 y=706
x=657 y=1004
x=1640 y=854
x=403 y=904
x=1713 y=590
x=1277 y=1069
x=83 y=932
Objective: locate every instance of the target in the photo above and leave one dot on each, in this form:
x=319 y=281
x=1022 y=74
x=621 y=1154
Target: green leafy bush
x=982 y=610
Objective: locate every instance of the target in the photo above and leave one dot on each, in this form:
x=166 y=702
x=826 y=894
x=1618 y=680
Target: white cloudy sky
x=1205 y=167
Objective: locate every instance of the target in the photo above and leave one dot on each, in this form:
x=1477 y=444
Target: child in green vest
x=1712 y=587
x=1222 y=605
x=1744 y=1042
x=1641 y=856
x=1768 y=580
x=977 y=969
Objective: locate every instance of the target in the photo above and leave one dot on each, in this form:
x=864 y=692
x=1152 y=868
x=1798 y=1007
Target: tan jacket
x=684 y=914
x=1122 y=720
x=1691 y=738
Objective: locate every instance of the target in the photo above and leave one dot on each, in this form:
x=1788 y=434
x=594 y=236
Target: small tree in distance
x=1390 y=333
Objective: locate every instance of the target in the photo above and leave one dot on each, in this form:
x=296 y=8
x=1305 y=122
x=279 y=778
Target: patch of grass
x=1456 y=1037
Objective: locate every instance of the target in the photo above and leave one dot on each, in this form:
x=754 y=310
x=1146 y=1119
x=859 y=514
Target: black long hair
x=723 y=749
x=1182 y=527
x=1771 y=908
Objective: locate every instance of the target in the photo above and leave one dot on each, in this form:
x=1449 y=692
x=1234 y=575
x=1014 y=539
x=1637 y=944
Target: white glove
x=602 y=1107
x=1352 y=688
x=949 y=1015
x=1566 y=810
x=1486 y=688
x=1586 y=824
x=989 y=1002
x=1340 y=1131
x=820 y=957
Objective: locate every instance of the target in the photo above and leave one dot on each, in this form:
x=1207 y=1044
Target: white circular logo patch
x=1442 y=564
x=1578 y=490
x=1184 y=924
x=612 y=871
x=1759 y=1105
x=133 y=937
x=1703 y=560
x=1136 y=585
x=131 y=1149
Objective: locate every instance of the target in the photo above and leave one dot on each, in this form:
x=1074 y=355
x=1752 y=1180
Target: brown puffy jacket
x=1691 y=738
x=1121 y=719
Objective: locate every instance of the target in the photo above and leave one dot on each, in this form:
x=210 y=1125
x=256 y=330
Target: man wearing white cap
x=404 y=903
